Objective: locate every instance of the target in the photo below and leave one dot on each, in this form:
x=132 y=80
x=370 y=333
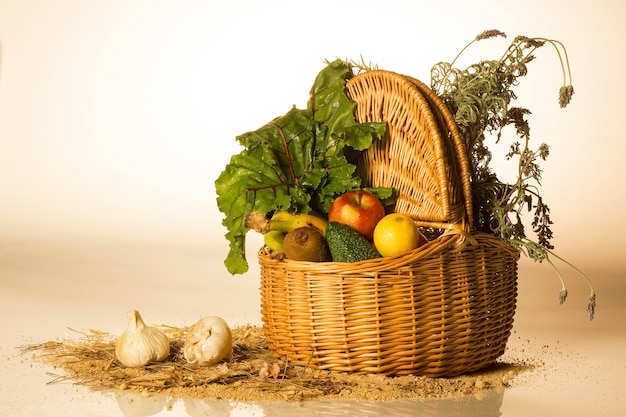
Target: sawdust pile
x=252 y=375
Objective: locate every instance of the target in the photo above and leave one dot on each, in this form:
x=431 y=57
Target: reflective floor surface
x=48 y=288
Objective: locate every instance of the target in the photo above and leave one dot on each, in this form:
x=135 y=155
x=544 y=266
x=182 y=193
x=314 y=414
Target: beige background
x=117 y=116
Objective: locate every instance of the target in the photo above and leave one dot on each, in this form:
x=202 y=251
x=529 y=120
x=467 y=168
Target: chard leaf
x=299 y=161
x=290 y=140
x=331 y=106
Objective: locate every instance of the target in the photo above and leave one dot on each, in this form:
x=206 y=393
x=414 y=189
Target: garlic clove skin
x=141 y=344
x=208 y=342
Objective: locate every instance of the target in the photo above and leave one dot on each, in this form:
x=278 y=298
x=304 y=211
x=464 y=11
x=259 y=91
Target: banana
x=284 y=221
x=275 y=240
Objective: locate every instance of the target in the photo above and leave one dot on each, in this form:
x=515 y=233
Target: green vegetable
x=299 y=161
x=347 y=245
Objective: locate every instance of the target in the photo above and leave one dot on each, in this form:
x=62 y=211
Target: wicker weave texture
x=445 y=314
x=443 y=309
x=419 y=156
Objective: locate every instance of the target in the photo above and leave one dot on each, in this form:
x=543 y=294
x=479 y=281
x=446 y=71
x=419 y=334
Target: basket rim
x=455 y=238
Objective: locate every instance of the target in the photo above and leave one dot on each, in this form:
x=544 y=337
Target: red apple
x=359 y=209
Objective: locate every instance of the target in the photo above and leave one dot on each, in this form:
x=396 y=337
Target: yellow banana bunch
x=284 y=221
x=281 y=223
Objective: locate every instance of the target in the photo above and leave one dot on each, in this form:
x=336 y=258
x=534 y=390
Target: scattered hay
x=252 y=375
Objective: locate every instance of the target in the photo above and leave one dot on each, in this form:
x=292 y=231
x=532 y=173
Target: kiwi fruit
x=306 y=244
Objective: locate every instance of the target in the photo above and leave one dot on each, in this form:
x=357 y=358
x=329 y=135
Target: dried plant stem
x=480 y=98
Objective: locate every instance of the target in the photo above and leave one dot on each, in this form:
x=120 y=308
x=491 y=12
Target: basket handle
x=423 y=156
x=439 y=108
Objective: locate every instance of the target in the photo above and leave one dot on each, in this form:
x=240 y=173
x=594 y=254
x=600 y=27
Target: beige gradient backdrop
x=117 y=116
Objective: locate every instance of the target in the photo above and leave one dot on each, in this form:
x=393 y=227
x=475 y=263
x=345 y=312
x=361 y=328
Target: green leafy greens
x=299 y=161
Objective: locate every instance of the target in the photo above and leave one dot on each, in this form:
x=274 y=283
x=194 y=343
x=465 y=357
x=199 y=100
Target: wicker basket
x=443 y=309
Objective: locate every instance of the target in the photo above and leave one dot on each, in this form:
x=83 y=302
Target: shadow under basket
x=443 y=309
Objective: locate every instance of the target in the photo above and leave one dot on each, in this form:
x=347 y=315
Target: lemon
x=396 y=234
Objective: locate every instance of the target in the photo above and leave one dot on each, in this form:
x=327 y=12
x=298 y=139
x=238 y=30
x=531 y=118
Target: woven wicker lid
x=421 y=155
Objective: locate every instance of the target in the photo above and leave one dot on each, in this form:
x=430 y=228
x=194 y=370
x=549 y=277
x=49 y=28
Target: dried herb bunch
x=480 y=98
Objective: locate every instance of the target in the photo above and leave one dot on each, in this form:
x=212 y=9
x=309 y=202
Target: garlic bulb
x=141 y=344
x=208 y=341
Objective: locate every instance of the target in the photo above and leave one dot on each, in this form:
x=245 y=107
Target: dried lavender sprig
x=565 y=95
x=563 y=291
x=591 y=301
